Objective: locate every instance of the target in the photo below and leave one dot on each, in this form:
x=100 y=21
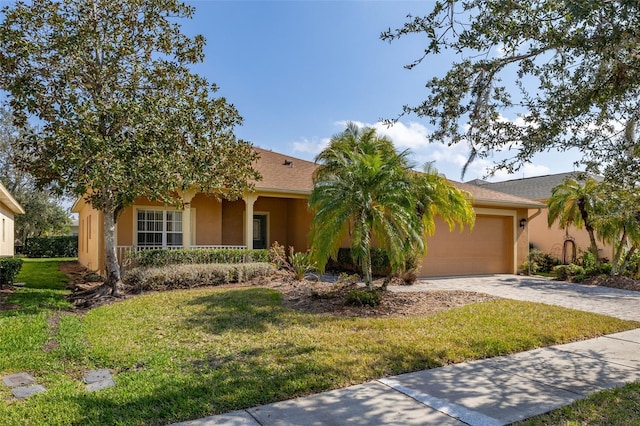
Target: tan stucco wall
x=276 y=210
x=7 y=247
x=551 y=240
x=90 y=245
x=208 y=224
x=232 y=221
x=300 y=218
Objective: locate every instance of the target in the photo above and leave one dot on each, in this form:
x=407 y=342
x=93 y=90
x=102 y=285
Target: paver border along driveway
x=623 y=304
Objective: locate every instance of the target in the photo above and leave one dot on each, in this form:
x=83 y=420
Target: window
x=159 y=228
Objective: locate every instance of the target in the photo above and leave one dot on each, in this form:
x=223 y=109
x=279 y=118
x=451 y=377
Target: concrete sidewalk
x=494 y=391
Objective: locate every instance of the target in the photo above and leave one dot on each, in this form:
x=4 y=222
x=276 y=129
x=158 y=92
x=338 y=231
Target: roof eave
x=510 y=204
x=7 y=199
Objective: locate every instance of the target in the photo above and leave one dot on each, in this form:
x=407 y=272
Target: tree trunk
x=366 y=268
x=590 y=231
x=112 y=269
x=627 y=258
x=615 y=262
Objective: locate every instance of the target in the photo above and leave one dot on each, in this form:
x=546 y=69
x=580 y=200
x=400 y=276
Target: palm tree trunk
x=366 y=269
x=590 y=230
x=615 y=262
x=627 y=258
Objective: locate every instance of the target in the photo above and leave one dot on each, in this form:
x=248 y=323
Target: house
x=278 y=211
x=9 y=207
x=564 y=244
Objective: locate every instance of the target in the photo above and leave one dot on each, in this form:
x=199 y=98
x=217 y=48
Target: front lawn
x=181 y=355
x=43 y=288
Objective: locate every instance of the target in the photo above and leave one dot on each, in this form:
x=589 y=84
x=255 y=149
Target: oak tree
x=534 y=75
x=120 y=113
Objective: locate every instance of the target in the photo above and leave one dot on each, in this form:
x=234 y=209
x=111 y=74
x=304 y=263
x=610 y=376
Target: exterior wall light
x=523 y=222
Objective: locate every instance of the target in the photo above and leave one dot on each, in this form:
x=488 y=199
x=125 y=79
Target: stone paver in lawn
x=27 y=391
x=18 y=379
x=98 y=379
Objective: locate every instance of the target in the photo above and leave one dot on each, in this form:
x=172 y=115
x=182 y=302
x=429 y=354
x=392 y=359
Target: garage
x=488 y=249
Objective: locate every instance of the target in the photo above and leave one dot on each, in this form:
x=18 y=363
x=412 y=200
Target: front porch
x=254 y=222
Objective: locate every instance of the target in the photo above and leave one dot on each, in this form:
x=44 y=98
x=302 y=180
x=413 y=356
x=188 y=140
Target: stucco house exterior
x=9 y=207
x=278 y=211
x=564 y=244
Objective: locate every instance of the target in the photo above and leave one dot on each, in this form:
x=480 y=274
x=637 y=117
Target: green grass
x=186 y=354
x=43 y=273
x=43 y=290
x=615 y=407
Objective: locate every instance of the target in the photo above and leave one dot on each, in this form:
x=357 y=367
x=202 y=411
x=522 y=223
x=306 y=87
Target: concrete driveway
x=616 y=303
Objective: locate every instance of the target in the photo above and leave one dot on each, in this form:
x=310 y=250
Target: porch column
x=249 y=199
x=187 y=196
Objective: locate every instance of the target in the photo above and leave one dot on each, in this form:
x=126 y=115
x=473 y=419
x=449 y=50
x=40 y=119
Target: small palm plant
x=299 y=264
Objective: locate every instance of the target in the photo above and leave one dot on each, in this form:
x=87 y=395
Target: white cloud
x=310 y=146
x=412 y=135
x=449 y=160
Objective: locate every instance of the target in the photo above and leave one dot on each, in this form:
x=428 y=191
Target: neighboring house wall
x=9 y=207
x=559 y=242
x=6 y=231
x=553 y=240
x=90 y=230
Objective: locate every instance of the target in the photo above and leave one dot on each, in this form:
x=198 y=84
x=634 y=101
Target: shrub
x=587 y=260
x=364 y=298
x=65 y=246
x=194 y=275
x=541 y=262
x=299 y=264
x=163 y=257
x=568 y=272
x=9 y=268
x=603 y=269
x=380 y=265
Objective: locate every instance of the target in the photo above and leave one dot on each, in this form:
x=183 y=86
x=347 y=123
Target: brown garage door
x=488 y=249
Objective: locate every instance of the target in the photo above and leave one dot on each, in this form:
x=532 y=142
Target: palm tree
x=619 y=224
x=363 y=192
x=436 y=196
x=576 y=203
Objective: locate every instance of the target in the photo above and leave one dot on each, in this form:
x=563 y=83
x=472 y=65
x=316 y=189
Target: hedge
x=380 y=265
x=65 y=246
x=163 y=257
x=9 y=268
x=189 y=276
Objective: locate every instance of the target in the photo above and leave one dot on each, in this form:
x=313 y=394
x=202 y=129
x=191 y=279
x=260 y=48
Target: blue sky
x=298 y=70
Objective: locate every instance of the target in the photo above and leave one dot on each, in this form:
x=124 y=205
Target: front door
x=259 y=231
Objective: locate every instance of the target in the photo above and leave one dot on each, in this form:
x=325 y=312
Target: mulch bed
x=622 y=283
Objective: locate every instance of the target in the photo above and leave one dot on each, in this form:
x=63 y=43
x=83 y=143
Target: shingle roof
x=489 y=197
x=535 y=188
x=283 y=173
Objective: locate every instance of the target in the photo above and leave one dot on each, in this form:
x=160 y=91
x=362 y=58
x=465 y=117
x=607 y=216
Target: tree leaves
x=568 y=69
